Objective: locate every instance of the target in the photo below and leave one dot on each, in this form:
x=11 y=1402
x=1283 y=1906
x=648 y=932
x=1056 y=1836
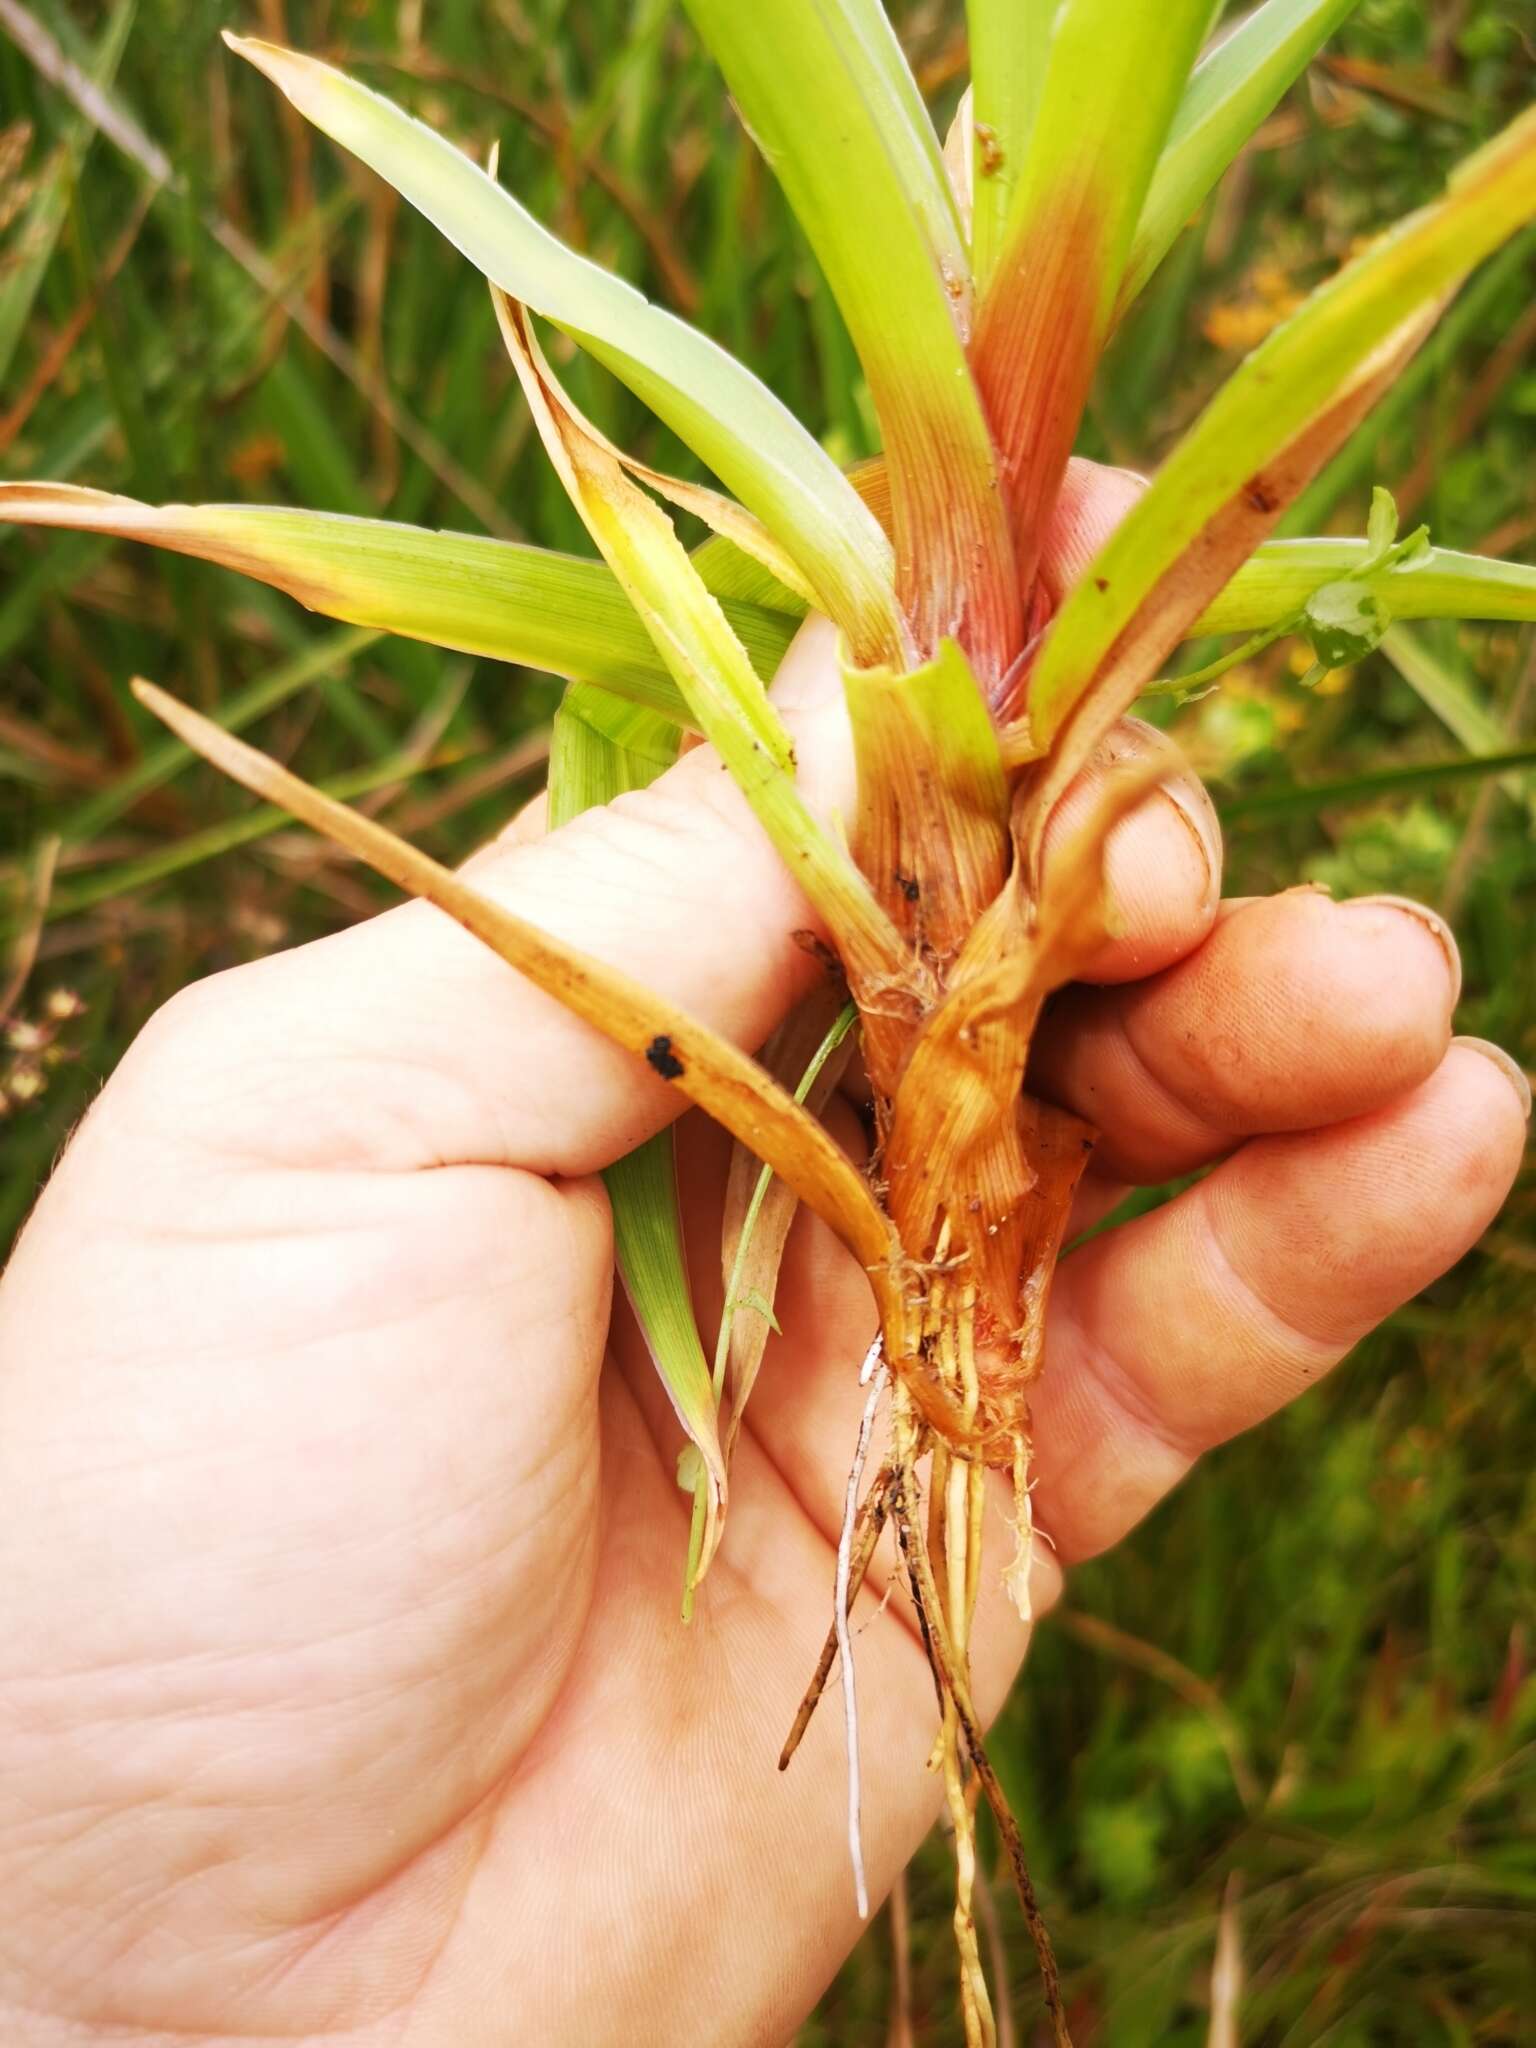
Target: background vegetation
x=1292 y=1721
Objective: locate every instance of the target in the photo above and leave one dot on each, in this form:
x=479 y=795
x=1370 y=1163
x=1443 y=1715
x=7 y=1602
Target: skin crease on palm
x=343 y=1694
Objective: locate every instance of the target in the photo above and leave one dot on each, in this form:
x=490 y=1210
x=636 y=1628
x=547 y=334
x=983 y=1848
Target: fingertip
x=1489 y=1113
x=1375 y=1209
x=1162 y=861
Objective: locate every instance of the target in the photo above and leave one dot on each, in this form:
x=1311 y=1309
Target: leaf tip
x=283 y=66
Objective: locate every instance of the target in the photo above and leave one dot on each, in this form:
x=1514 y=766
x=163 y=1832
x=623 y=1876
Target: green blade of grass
x=1234 y=87
x=1010 y=44
x=1110 y=90
x=1450 y=695
x=44 y=50
x=636 y=745
x=127 y=877
x=1444 y=692
x=652 y=1261
x=1355 y=465
x=823 y=88
x=160 y=763
x=1259 y=805
x=731 y=420
x=570 y=616
x=480 y=596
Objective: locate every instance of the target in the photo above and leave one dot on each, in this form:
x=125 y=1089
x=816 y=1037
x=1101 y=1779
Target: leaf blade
x=731 y=420
x=1234 y=87
x=590 y=765
x=1109 y=93
x=1278 y=577
x=482 y=596
x=1010 y=46
x=825 y=90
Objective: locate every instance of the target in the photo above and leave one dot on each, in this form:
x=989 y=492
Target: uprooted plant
x=980 y=283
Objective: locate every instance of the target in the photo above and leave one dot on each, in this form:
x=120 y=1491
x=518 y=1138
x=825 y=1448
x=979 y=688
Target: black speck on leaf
x=660 y=1055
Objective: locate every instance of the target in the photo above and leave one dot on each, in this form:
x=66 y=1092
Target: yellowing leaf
x=691 y=633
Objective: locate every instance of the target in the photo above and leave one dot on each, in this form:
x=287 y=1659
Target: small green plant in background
x=980 y=285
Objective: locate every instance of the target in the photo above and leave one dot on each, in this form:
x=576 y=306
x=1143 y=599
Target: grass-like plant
x=980 y=283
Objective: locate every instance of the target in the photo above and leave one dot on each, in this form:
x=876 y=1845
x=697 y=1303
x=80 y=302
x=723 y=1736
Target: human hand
x=343 y=1691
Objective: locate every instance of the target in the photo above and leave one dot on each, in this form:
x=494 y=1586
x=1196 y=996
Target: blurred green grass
x=1304 y=1685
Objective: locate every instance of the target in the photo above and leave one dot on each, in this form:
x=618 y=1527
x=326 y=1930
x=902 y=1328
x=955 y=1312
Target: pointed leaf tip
x=737 y=427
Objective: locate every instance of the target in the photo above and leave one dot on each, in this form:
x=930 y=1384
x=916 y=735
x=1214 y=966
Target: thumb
x=404 y=1042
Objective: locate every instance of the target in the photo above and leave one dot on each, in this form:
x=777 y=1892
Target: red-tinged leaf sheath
x=955 y=576
x=1035 y=355
x=1113 y=78
x=827 y=95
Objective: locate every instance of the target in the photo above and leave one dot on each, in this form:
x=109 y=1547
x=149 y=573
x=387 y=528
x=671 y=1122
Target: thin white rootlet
x=874 y=1375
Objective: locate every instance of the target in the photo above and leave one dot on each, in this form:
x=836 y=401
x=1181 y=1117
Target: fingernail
x=1507 y=1065
x=1189 y=799
x=1432 y=923
x=1183 y=789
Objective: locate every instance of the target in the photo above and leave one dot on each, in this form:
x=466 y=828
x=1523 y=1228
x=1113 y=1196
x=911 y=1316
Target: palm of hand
x=347 y=1691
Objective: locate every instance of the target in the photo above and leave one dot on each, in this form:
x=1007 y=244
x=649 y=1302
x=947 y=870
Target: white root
x=875 y=1375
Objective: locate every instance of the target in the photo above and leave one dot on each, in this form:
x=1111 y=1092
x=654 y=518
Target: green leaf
x=1259 y=805
x=1381 y=524
x=492 y=597
x=1344 y=622
x=1449 y=693
x=197 y=847
x=329 y=656
x=1464 y=328
x=604 y=747
x=1110 y=90
x=1256 y=445
x=719 y=409
x=1010 y=44
x=824 y=89
x=1234 y=87
x=1277 y=580
x=569 y=616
